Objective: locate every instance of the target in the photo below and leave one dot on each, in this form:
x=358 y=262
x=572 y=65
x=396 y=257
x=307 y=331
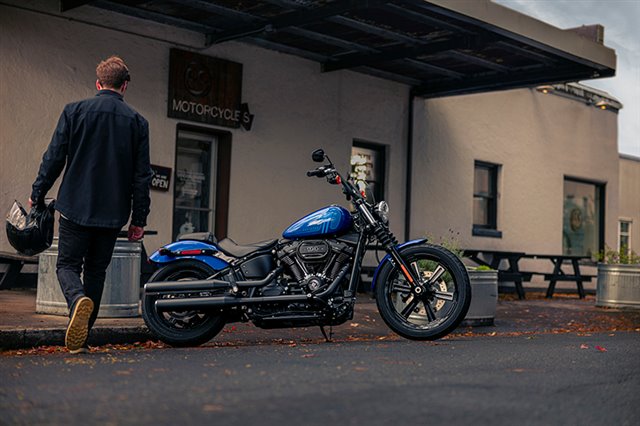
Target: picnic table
x=559 y=275
x=14 y=262
x=512 y=273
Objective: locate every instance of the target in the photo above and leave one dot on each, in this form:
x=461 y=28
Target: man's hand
x=135 y=233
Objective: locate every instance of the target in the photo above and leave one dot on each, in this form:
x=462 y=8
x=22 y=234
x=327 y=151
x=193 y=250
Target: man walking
x=104 y=144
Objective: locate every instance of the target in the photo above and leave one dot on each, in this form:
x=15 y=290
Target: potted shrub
x=484 y=296
x=484 y=287
x=618 y=279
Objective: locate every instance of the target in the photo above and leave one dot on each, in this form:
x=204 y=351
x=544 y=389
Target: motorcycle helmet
x=31 y=233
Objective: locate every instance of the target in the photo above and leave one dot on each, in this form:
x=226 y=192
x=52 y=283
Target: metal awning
x=438 y=47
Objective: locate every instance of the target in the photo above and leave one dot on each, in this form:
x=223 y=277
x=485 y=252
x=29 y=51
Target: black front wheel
x=438 y=308
x=181 y=328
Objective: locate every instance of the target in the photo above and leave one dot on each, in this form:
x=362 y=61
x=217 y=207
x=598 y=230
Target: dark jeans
x=86 y=250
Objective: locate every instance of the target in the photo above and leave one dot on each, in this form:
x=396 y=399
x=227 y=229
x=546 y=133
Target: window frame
x=627 y=233
x=220 y=219
x=490 y=229
x=602 y=187
x=381 y=151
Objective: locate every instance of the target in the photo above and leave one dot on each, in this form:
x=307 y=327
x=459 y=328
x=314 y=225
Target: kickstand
x=324 y=333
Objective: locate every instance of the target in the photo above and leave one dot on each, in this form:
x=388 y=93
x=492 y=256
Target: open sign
x=161 y=178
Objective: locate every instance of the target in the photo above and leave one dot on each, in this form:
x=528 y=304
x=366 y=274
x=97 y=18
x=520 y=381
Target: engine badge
x=313 y=250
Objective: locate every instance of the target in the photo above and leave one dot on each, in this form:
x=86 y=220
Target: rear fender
x=387 y=258
x=195 y=250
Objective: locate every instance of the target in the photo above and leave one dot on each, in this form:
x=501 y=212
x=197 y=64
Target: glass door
x=195 y=186
x=583 y=218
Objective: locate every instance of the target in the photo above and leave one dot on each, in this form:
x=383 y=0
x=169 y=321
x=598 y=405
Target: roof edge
x=629 y=157
x=522 y=25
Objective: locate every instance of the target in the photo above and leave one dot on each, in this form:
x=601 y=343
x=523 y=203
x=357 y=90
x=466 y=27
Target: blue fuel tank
x=329 y=221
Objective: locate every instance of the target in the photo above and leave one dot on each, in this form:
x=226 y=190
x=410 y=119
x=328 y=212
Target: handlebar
x=321 y=171
x=350 y=191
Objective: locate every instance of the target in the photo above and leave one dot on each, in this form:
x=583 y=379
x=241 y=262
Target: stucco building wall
x=48 y=62
x=537 y=138
x=630 y=197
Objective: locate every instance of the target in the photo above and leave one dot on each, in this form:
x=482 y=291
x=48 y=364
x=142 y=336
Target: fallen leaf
x=308 y=355
x=583 y=346
x=212 y=408
x=601 y=349
x=354 y=324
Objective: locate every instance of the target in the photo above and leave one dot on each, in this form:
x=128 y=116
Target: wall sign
x=161 y=178
x=206 y=90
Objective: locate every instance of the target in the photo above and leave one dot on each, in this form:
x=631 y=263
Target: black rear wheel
x=435 y=312
x=181 y=328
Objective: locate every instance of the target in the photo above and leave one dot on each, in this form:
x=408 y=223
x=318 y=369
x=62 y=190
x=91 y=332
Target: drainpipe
x=409 y=168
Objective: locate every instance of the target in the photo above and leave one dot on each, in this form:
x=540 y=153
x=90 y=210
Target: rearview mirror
x=318 y=155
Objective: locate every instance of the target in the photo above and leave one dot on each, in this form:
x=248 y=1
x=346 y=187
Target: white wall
x=48 y=62
x=630 y=197
x=538 y=139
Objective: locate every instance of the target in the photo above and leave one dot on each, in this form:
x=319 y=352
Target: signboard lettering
x=161 y=178
x=206 y=90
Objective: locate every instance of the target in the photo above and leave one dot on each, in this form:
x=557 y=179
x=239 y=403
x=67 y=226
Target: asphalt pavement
x=542 y=379
x=562 y=361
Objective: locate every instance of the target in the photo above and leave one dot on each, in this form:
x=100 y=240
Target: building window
x=624 y=236
x=583 y=218
x=485 y=200
x=368 y=164
x=194 y=202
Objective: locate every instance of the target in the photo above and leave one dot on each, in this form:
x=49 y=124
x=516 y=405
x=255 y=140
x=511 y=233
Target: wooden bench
x=14 y=262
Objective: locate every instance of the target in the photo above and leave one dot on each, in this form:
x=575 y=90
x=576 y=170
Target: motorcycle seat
x=230 y=248
x=205 y=237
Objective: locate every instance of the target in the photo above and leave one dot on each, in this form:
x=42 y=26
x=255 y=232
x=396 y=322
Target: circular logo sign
x=197 y=79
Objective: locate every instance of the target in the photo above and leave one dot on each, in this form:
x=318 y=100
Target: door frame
x=223 y=175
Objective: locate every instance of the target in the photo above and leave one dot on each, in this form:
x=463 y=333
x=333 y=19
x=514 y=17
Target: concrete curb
x=32 y=337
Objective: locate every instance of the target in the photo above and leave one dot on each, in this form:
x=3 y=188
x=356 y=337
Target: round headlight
x=382 y=208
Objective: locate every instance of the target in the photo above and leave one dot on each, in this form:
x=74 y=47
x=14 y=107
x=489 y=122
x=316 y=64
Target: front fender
x=387 y=258
x=181 y=250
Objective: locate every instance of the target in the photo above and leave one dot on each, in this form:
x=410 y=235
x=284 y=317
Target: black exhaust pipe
x=205 y=303
x=175 y=287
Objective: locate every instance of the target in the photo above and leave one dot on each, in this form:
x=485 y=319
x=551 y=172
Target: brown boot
x=78 y=328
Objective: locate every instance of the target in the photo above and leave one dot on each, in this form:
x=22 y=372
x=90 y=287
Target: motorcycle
x=307 y=278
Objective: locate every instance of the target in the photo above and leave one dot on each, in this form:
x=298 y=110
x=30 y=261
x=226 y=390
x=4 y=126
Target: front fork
x=389 y=243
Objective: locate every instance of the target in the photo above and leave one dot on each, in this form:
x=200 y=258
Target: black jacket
x=105 y=146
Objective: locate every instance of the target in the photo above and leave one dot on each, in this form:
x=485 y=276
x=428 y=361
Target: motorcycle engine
x=314 y=264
